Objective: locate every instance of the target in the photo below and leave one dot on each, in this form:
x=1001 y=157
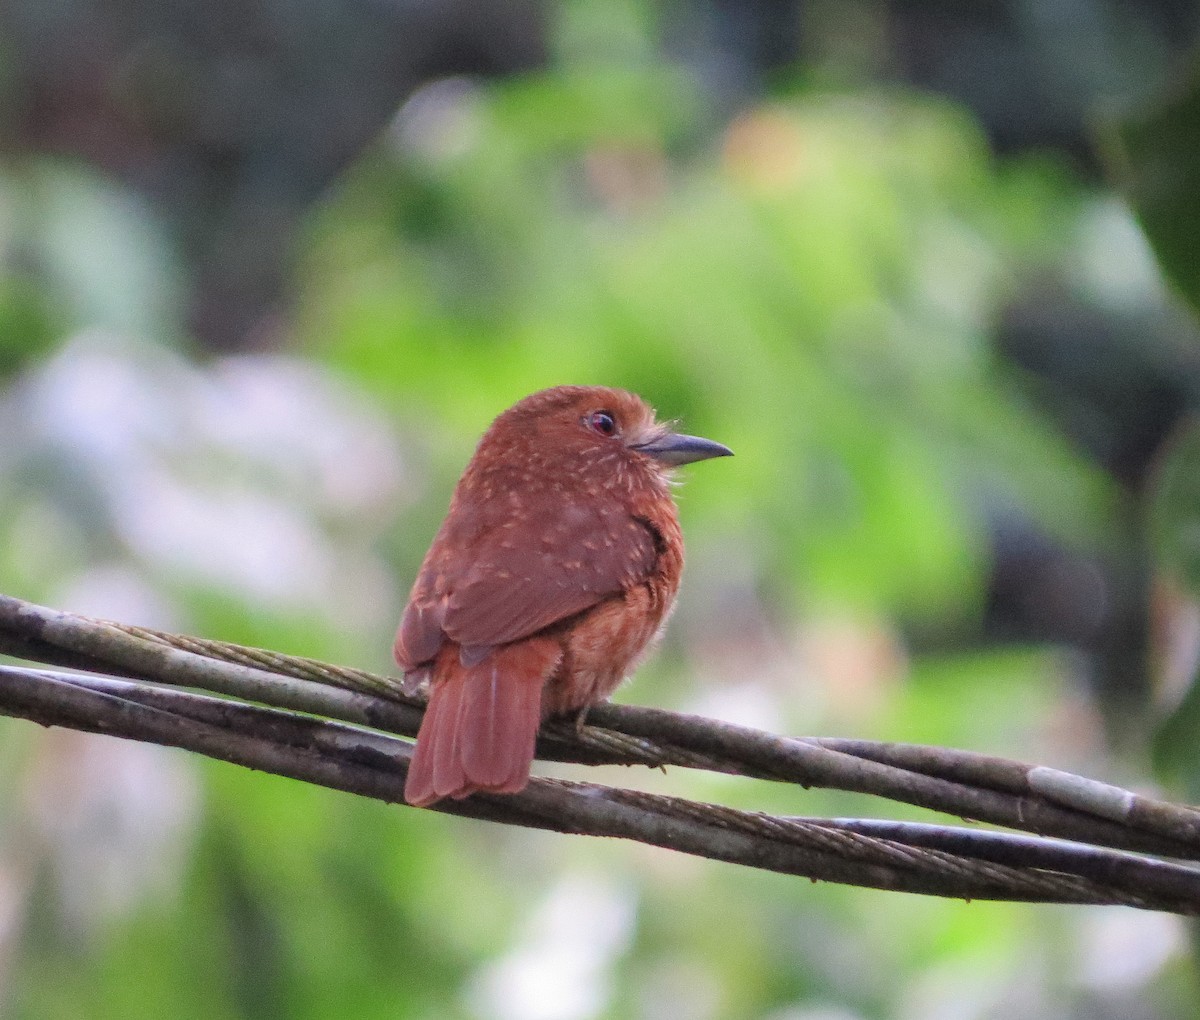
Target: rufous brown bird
x=553 y=571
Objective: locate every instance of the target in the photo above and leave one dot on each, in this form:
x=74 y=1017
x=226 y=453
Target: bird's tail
x=481 y=724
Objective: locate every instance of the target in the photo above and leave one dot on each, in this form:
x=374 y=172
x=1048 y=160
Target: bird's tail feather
x=481 y=724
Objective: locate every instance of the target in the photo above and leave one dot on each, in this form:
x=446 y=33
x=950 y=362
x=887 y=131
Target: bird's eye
x=602 y=422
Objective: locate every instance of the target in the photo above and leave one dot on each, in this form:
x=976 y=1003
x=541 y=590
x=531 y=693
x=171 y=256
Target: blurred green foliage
x=815 y=284
x=1154 y=156
x=817 y=292
x=1174 y=513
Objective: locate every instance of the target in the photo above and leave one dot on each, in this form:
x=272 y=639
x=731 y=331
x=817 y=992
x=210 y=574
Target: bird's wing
x=420 y=634
x=513 y=577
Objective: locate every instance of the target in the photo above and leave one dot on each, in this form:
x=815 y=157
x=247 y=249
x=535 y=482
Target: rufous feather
x=481 y=725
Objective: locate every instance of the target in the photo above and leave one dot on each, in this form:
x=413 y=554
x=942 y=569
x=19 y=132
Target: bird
x=555 y=569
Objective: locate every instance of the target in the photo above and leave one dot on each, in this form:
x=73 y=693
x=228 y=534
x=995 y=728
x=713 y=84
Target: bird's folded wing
x=515 y=579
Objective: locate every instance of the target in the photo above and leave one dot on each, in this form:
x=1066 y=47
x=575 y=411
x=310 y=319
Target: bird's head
x=597 y=424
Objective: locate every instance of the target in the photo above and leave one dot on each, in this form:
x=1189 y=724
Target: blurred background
x=268 y=269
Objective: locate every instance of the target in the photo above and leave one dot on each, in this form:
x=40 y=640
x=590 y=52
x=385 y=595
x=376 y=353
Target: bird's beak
x=673 y=449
